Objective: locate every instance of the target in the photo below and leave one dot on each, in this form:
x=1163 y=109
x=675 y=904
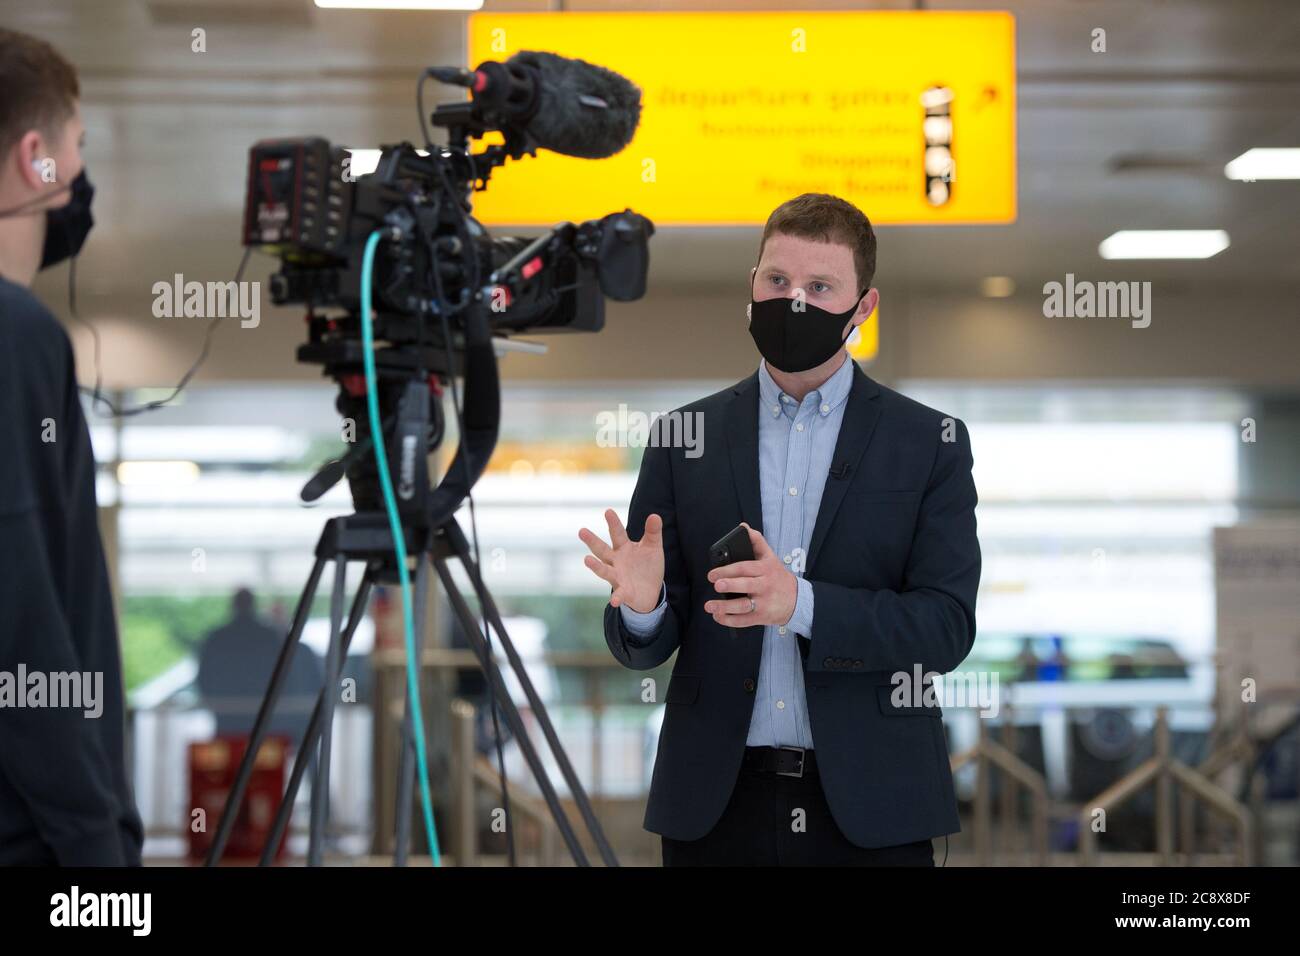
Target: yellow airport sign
x=867 y=346
x=908 y=115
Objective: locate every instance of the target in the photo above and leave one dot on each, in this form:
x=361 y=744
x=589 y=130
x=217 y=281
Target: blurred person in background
x=235 y=666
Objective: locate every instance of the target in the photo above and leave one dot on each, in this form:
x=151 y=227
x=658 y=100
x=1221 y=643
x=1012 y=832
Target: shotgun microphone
x=567 y=105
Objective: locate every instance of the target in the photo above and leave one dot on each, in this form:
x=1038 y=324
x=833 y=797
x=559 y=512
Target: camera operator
x=64 y=793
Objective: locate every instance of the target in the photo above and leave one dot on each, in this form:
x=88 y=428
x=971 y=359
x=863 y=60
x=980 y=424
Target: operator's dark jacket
x=65 y=790
x=894 y=564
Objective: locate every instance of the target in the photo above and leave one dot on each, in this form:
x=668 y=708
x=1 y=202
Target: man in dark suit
x=794 y=731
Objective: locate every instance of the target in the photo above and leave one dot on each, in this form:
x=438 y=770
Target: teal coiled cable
x=399 y=543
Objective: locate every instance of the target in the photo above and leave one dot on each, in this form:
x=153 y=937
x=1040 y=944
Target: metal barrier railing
x=469 y=772
x=1163 y=770
x=986 y=754
x=995 y=817
x=1241 y=740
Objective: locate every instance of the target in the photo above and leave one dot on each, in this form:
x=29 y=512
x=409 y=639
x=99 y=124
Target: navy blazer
x=894 y=563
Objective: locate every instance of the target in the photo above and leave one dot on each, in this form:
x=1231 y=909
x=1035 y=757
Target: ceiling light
x=400 y=4
x=1163 y=244
x=997 y=287
x=1262 y=163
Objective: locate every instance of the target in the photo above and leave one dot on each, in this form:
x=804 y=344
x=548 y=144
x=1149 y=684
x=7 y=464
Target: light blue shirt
x=796 y=443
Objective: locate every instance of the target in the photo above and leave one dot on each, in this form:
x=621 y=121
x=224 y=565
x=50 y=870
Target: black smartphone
x=732 y=547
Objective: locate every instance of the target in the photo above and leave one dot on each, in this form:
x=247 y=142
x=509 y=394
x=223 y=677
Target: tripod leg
x=333 y=666
x=460 y=547
x=407 y=762
x=509 y=711
x=258 y=733
x=303 y=757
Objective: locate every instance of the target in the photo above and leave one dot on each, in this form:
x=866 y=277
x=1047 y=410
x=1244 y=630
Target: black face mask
x=797 y=341
x=66 y=228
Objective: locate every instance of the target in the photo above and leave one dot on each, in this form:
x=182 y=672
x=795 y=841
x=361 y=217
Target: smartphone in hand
x=732 y=547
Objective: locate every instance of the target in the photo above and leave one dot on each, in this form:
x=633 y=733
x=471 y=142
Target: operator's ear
x=28 y=158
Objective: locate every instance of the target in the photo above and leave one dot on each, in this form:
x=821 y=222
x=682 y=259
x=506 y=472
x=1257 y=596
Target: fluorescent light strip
x=1164 y=244
x=400 y=4
x=157 y=472
x=1262 y=163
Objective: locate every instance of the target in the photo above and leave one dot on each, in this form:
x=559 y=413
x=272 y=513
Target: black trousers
x=784 y=821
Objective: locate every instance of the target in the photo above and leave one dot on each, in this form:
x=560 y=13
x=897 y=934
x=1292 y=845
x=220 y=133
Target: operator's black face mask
x=66 y=228
x=797 y=341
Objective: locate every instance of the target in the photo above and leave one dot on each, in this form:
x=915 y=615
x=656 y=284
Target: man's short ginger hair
x=40 y=88
x=826 y=218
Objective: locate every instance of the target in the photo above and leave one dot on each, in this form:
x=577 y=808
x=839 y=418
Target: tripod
x=366 y=537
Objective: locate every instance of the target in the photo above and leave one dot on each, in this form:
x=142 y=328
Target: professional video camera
x=405 y=290
x=441 y=288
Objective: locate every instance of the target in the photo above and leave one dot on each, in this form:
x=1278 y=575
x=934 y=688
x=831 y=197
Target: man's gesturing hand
x=634 y=569
x=766 y=581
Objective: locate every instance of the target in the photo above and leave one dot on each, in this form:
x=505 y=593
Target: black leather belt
x=782 y=761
